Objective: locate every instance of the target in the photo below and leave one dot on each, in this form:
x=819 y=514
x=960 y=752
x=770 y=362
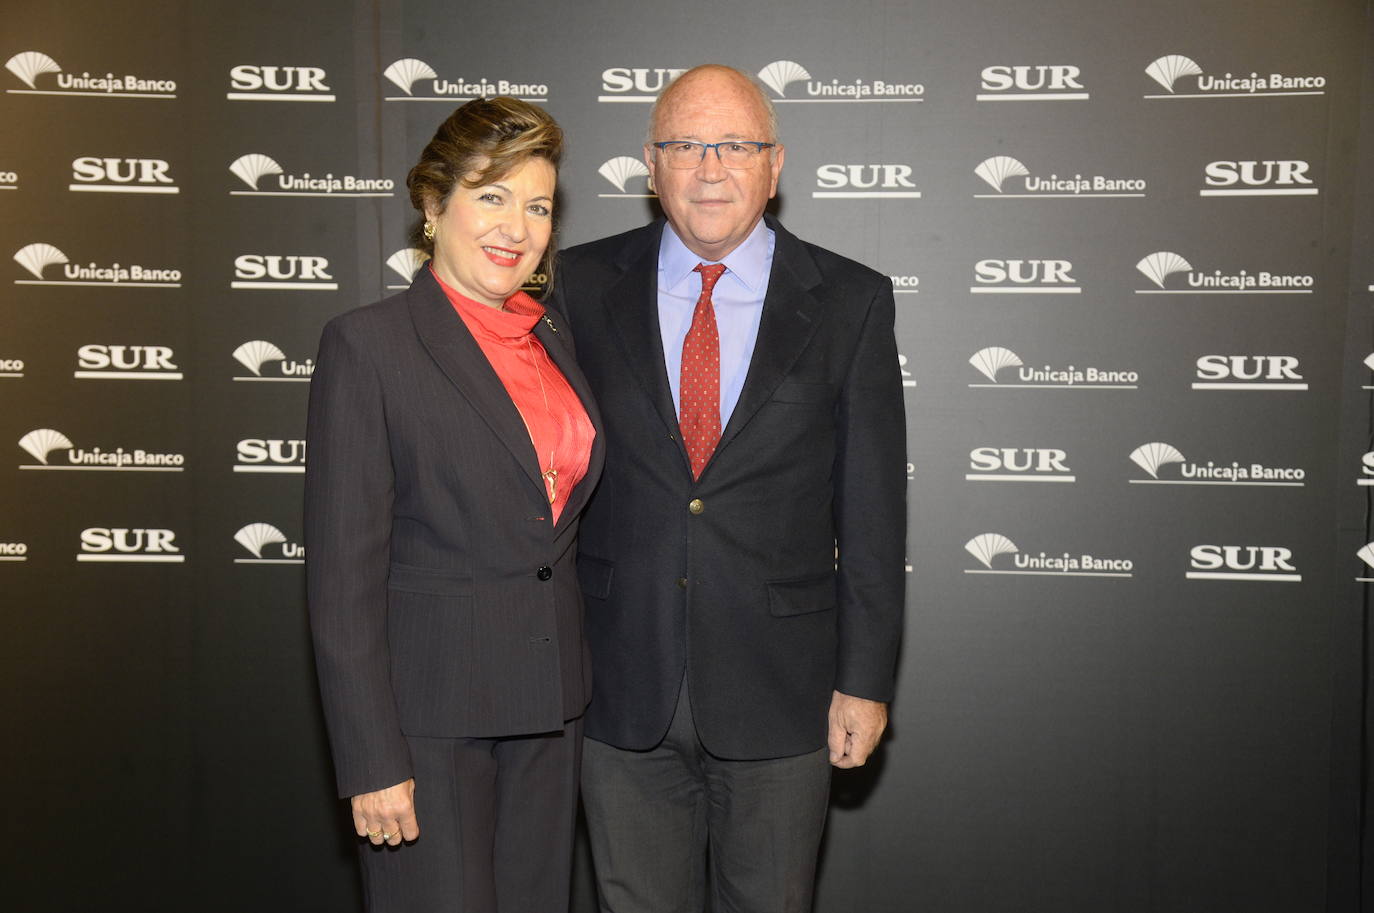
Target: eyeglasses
x=735 y=154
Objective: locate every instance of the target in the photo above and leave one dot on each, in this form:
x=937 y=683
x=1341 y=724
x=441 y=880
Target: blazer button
x=682 y=583
x=544 y=573
x=695 y=506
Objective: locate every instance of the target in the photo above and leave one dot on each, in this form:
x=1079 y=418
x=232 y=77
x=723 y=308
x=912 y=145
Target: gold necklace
x=550 y=475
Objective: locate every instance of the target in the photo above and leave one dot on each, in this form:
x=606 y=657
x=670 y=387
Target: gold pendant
x=551 y=480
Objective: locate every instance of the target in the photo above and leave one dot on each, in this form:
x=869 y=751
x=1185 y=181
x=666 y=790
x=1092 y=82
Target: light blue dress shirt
x=738 y=301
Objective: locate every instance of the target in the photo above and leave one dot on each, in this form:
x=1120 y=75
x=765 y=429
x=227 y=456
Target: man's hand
x=387 y=815
x=855 y=727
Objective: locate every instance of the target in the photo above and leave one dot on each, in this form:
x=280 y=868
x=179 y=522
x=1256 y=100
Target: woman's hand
x=387 y=815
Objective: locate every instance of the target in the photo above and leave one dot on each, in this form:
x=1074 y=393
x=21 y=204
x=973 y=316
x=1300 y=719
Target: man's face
x=713 y=208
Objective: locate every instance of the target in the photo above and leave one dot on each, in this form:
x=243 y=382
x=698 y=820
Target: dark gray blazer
x=733 y=578
x=443 y=600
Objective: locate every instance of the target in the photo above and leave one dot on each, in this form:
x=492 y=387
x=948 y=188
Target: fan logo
x=1036 y=82
x=257 y=537
x=1019 y=464
x=41 y=443
x=1024 y=277
x=269 y=455
x=1365 y=554
x=1011 y=180
x=1159 y=266
x=253 y=167
x=1368 y=363
x=129 y=545
x=32 y=66
x=635 y=84
x=1242 y=562
x=35 y=258
x=265 y=362
x=291 y=273
x=908 y=379
x=125 y=362
x=1249 y=372
x=990 y=551
x=992 y=361
x=252 y=82
x=14 y=551
x=1165 y=464
x=852 y=182
x=1366 y=476
x=905 y=285
x=11 y=367
x=1258 y=178
x=1172 y=72
x=629 y=176
x=405 y=263
x=9 y=180
x=103 y=174
x=419 y=81
x=781 y=74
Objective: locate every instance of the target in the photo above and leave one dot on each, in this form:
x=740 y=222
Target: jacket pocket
x=802 y=595
x=793 y=391
x=431 y=581
x=594 y=576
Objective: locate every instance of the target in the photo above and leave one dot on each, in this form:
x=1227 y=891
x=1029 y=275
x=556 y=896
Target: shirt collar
x=749 y=263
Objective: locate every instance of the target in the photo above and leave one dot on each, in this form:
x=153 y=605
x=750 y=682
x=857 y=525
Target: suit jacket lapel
x=791 y=314
x=446 y=338
x=556 y=345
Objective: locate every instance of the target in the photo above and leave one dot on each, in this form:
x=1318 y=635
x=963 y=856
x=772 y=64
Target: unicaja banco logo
x=30 y=66
x=1172 y=72
x=407 y=72
x=993 y=360
x=35 y=258
x=988 y=548
x=41 y=442
x=11 y=367
x=620 y=171
x=14 y=551
x=405 y=263
x=908 y=379
x=255 y=537
x=261 y=82
x=1368 y=363
x=1037 y=82
x=253 y=167
x=1270 y=563
x=134 y=545
x=1159 y=266
x=1366 y=554
x=257 y=354
x=781 y=75
x=1166 y=465
x=999 y=169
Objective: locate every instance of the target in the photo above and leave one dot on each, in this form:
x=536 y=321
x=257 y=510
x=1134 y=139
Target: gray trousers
x=675 y=824
x=496 y=823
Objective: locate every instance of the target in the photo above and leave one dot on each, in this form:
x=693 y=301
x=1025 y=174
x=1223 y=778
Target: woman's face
x=490 y=239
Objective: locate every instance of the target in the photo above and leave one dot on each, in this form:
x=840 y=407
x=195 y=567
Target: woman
x=452 y=445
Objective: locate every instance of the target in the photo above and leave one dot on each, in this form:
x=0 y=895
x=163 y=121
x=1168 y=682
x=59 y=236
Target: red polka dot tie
x=699 y=391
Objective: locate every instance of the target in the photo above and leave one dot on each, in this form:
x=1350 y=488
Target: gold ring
x=374 y=833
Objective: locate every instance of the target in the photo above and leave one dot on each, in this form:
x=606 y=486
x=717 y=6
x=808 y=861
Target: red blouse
x=558 y=425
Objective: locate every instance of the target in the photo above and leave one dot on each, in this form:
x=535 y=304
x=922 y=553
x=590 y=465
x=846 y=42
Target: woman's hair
x=488 y=138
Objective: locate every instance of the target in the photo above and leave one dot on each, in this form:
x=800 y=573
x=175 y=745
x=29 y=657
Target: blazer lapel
x=446 y=338
x=556 y=345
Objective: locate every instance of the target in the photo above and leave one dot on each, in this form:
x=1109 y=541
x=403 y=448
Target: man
x=742 y=559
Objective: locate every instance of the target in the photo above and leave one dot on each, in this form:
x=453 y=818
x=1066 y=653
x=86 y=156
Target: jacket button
x=682 y=583
x=544 y=573
x=695 y=506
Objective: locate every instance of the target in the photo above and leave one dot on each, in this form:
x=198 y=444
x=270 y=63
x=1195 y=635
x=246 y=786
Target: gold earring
x=429 y=231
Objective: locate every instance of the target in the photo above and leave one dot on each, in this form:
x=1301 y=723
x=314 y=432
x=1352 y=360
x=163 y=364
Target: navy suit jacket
x=443 y=600
x=735 y=580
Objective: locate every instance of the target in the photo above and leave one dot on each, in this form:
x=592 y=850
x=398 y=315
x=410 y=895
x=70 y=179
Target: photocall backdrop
x=1132 y=248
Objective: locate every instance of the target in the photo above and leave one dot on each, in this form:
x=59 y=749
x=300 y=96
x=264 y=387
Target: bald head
x=720 y=83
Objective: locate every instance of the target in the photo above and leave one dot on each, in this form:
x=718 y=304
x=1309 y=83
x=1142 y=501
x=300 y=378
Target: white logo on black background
x=29 y=66
x=266 y=362
x=408 y=71
x=625 y=173
x=1242 y=562
x=269 y=455
x=41 y=442
x=35 y=258
x=908 y=379
x=129 y=545
x=1024 y=277
x=905 y=285
x=999 y=170
x=253 y=167
x=14 y=551
x=988 y=548
x=1366 y=554
x=1249 y=372
x=1168 y=70
x=1159 y=460
x=253 y=82
x=993 y=360
x=1019 y=464
x=125 y=362
x=1257 y=178
x=9 y=180
x=1366 y=477
x=851 y=182
x=106 y=174
x=1159 y=266
x=781 y=74
x=405 y=263
x=1036 y=82
x=1368 y=363
x=11 y=367
x=257 y=537
x=291 y=273
x=635 y=84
